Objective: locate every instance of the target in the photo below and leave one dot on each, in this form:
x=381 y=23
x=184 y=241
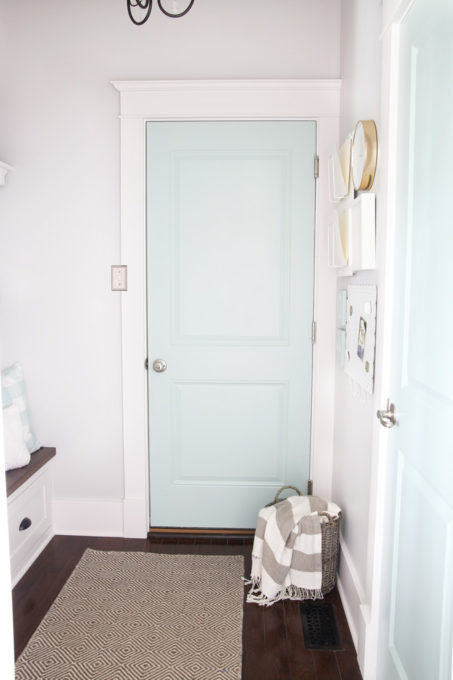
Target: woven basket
x=330 y=533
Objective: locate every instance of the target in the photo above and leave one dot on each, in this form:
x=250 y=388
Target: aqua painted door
x=416 y=629
x=230 y=253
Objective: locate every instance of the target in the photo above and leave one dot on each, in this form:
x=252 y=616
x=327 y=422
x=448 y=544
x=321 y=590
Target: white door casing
x=142 y=101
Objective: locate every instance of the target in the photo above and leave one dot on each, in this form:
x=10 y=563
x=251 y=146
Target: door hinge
x=313 y=332
x=146 y=364
x=310 y=487
x=316 y=167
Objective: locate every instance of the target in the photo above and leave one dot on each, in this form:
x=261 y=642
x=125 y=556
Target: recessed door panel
x=255 y=415
x=422 y=559
x=231 y=246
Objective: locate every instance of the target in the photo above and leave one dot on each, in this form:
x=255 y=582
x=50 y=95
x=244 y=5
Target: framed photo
x=362 y=338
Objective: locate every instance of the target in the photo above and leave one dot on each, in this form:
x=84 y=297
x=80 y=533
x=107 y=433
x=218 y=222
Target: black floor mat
x=319 y=626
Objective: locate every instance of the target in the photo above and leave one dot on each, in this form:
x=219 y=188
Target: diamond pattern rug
x=137 y=616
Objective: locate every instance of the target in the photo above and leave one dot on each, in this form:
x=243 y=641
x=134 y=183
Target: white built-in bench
x=29 y=492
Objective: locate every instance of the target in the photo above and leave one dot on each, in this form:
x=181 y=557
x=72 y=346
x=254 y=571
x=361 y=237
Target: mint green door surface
x=230 y=250
x=417 y=636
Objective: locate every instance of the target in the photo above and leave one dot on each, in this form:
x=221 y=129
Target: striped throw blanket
x=287 y=550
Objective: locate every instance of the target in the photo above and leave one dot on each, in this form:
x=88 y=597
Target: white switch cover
x=119 y=277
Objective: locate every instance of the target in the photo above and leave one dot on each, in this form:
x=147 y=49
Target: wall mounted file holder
x=352 y=235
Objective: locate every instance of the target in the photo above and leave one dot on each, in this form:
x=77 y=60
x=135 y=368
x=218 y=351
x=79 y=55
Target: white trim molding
x=141 y=101
x=228 y=99
x=353 y=598
x=394 y=12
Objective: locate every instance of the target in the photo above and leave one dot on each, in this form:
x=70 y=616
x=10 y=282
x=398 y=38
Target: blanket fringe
x=290 y=593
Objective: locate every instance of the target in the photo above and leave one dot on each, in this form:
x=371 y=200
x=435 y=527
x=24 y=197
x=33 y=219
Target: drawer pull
x=25 y=524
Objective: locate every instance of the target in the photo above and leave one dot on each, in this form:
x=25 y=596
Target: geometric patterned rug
x=142 y=616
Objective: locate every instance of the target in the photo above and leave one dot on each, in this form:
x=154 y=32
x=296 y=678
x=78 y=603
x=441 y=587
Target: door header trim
x=243 y=99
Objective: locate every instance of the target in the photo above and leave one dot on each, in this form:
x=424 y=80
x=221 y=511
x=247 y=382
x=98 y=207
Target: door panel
x=241 y=232
x=419 y=572
x=230 y=215
x=260 y=414
x=421 y=594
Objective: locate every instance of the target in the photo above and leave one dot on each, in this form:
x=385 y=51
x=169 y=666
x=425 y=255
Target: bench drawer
x=29 y=520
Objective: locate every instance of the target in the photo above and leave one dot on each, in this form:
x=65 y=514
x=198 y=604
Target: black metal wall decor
x=145 y=7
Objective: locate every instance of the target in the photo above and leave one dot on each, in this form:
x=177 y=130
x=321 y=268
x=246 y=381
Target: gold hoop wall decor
x=364 y=155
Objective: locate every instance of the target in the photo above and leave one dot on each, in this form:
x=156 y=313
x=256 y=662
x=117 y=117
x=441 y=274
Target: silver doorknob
x=387 y=416
x=159 y=365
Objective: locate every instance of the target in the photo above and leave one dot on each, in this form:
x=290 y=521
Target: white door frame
x=142 y=101
x=394 y=12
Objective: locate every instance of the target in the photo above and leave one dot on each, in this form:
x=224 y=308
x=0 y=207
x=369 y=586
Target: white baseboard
x=353 y=598
x=348 y=612
x=88 y=517
x=135 y=518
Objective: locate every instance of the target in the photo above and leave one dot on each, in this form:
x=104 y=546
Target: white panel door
x=230 y=252
x=416 y=641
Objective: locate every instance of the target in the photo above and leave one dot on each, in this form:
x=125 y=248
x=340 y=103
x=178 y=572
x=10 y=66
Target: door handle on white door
x=159 y=365
x=387 y=416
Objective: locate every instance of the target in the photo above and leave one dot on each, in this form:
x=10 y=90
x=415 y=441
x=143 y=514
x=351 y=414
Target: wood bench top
x=15 y=478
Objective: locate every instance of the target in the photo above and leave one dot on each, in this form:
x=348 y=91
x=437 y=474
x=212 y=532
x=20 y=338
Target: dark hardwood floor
x=273 y=647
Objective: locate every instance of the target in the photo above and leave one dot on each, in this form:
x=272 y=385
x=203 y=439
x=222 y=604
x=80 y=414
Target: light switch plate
x=119 y=277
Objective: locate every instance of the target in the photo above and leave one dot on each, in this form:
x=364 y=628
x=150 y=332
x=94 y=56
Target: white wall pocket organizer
x=339 y=172
x=360 y=335
x=352 y=235
x=337 y=254
x=341 y=308
x=341 y=347
x=341 y=318
x=4 y=169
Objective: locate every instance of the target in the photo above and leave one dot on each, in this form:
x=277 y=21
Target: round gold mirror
x=364 y=155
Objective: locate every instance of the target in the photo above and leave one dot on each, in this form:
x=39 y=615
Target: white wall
x=6 y=619
x=354 y=410
x=60 y=209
